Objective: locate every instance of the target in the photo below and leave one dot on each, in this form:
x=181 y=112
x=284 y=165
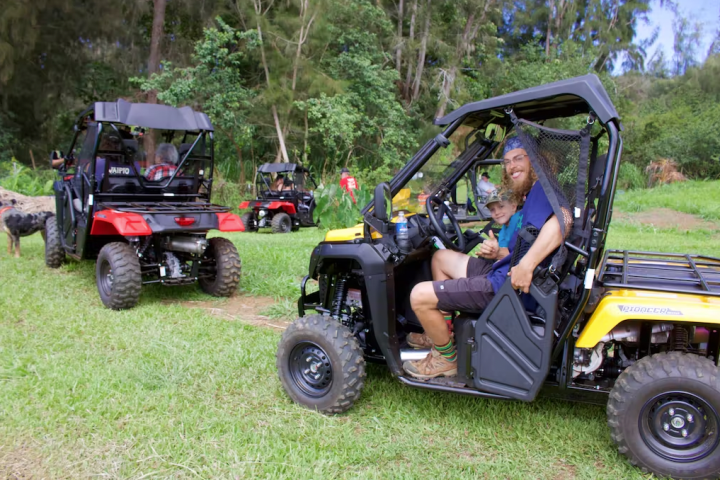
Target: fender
x=229 y=222
x=287 y=207
x=621 y=305
x=112 y=222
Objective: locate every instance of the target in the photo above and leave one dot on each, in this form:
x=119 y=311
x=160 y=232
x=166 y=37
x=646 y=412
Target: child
x=504 y=212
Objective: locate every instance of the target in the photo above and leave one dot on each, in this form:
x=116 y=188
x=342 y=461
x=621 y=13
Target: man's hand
x=489 y=248
x=521 y=276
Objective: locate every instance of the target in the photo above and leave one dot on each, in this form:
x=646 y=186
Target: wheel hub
x=679 y=426
x=311 y=369
x=106 y=277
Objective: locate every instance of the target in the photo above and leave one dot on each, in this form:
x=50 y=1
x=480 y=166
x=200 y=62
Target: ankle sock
x=448 y=351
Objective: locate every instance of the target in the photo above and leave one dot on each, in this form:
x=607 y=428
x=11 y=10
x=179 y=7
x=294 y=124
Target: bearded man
x=465 y=283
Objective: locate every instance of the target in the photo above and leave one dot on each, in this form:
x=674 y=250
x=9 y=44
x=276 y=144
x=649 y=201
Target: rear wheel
x=320 y=364
x=281 y=223
x=117 y=274
x=225 y=276
x=664 y=415
x=54 y=252
x=248 y=220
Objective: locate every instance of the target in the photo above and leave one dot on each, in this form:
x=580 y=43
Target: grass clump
x=696 y=197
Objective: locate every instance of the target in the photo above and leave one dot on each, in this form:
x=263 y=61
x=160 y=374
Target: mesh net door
x=559 y=158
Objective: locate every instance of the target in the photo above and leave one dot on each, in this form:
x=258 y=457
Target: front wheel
x=54 y=251
x=320 y=364
x=118 y=277
x=224 y=261
x=663 y=415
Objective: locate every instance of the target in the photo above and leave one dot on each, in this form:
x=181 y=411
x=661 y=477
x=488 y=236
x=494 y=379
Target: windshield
x=412 y=196
x=124 y=151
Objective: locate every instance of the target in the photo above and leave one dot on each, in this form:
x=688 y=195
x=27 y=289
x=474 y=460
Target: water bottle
x=401 y=232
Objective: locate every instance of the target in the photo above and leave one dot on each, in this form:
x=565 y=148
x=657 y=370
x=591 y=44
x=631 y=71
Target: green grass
x=701 y=198
x=164 y=391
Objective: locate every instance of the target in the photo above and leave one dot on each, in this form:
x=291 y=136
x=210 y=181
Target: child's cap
x=498 y=196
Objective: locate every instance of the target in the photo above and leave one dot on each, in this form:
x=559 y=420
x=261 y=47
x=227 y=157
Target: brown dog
x=18 y=224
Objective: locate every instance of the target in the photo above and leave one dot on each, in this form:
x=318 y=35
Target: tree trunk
x=281 y=139
x=304 y=32
x=157 y=34
x=421 y=55
x=305 y=139
x=551 y=6
x=463 y=46
x=153 y=66
x=398 y=50
x=447 y=84
x=411 y=38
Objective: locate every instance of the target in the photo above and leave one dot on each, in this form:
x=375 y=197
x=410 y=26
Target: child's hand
x=489 y=248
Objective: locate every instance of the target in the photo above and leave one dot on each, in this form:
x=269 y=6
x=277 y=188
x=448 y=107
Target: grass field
x=166 y=391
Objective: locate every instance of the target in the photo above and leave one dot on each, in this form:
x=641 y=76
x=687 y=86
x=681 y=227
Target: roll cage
x=188 y=181
x=301 y=176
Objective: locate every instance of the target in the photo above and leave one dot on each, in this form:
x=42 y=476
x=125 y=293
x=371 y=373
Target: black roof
x=565 y=98
x=281 y=167
x=161 y=117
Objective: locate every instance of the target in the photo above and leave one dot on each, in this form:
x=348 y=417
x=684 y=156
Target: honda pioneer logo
x=119 y=171
x=650 y=310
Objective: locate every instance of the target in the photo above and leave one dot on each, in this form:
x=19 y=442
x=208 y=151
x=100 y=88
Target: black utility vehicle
x=139 y=230
x=636 y=331
x=284 y=202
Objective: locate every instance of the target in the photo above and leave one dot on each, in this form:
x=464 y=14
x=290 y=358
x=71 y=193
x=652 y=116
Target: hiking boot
x=434 y=365
x=421 y=340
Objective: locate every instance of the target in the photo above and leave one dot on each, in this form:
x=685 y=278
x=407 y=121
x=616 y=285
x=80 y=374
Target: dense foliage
x=351 y=83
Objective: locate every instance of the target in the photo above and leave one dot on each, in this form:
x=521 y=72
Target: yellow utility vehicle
x=636 y=331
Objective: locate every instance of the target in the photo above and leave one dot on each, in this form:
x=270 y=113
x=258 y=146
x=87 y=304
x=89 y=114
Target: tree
x=214 y=85
x=687 y=38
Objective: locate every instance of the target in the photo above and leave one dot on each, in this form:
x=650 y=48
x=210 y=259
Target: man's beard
x=519 y=189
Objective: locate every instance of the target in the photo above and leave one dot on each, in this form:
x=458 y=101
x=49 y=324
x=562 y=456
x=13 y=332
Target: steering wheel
x=436 y=219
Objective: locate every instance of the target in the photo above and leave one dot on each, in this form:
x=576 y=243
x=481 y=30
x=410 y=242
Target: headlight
x=262 y=213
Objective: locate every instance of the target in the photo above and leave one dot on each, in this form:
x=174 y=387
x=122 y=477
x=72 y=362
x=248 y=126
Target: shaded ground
x=666 y=218
x=245 y=308
x=28 y=204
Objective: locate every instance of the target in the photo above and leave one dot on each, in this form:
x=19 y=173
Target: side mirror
x=382 y=202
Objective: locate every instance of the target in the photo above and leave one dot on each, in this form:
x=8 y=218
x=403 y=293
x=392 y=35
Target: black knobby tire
x=664 y=415
x=248 y=220
x=54 y=251
x=226 y=276
x=281 y=223
x=118 y=277
x=320 y=364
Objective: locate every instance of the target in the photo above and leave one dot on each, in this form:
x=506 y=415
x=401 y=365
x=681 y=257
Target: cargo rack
x=664 y=272
x=165 y=207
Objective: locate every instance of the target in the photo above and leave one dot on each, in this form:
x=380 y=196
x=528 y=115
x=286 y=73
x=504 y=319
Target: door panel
x=513 y=351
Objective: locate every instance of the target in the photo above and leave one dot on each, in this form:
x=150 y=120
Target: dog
x=18 y=224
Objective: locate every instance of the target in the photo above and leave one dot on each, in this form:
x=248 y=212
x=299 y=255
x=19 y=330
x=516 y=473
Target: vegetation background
x=338 y=83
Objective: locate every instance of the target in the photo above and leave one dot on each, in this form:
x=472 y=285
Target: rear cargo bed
x=665 y=272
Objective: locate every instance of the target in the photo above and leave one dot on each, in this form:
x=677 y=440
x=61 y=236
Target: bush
x=16 y=177
x=631 y=177
x=335 y=209
x=663 y=171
